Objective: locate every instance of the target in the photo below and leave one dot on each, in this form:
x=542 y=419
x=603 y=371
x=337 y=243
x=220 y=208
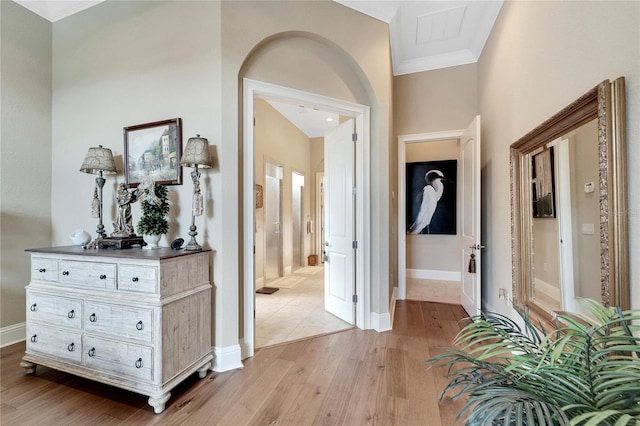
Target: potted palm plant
x=585 y=372
x=155 y=207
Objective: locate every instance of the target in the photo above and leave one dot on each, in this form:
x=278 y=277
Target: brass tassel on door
x=472 y=264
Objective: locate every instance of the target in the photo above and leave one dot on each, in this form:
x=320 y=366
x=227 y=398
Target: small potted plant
x=155 y=207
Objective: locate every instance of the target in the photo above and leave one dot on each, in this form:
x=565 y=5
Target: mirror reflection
x=565 y=240
x=569 y=207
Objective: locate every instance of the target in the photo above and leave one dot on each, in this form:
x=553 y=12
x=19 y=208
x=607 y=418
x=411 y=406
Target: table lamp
x=196 y=154
x=99 y=161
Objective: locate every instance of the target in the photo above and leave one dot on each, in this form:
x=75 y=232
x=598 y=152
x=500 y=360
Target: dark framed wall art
x=431 y=197
x=153 y=149
x=542 y=184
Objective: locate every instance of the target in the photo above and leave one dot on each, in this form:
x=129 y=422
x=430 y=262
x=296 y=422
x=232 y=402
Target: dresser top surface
x=130 y=253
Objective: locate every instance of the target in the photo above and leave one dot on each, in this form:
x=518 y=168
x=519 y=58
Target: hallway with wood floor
x=353 y=377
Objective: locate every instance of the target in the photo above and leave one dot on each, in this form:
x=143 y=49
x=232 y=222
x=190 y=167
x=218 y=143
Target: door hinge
x=355 y=298
x=354 y=137
x=354 y=244
x=354 y=190
x=254 y=121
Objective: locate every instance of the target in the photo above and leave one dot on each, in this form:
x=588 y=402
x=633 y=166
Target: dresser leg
x=202 y=371
x=29 y=367
x=158 y=402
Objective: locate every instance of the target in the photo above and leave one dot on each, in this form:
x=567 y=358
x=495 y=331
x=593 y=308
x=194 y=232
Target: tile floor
x=296 y=312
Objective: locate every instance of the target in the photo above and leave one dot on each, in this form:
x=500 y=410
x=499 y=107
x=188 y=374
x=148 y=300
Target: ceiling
x=54 y=10
x=424 y=35
x=311 y=121
x=428 y=35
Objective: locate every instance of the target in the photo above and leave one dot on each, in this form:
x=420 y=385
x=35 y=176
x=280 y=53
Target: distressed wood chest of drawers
x=135 y=319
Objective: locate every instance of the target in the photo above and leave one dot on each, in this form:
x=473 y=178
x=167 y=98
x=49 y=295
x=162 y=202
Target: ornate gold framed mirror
x=569 y=206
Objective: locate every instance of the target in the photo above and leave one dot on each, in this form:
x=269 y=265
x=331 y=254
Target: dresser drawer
x=54 y=310
x=119 y=321
x=137 y=278
x=118 y=358
x=55 y=342
x=88 y=274
x=43 y=269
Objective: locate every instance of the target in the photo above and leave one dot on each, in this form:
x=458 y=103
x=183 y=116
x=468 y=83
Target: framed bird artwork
x=431 y=197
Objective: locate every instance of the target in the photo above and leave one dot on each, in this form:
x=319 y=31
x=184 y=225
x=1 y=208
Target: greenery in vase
x=154 y=211
x=586 y=372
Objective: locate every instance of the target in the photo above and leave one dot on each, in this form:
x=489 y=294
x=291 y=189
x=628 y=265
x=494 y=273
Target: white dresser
x=133 y=318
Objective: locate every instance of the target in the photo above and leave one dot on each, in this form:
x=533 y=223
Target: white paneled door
x=338 y=249
x=470 y=239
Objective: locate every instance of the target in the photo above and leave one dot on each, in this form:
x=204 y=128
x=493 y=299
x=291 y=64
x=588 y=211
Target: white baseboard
x=12 y=334
x=259 y=282
x=227 y=358
x=380 y=322
x=428 y=274
x=546 y=288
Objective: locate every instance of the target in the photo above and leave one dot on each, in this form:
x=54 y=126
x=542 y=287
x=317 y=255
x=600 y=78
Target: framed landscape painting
x=153 y=149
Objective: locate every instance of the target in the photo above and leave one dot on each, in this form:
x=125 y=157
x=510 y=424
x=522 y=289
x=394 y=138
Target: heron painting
x=431 y=197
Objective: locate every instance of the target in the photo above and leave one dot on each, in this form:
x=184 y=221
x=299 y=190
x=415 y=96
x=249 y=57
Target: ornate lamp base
x=193 y=245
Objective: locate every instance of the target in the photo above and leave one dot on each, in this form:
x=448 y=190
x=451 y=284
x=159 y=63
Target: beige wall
x=434 y=252
x=25 y=153
x=281 y=143
x=540 y=57
x=433 y=101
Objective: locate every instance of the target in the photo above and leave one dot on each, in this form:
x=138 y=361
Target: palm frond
x=586 y=370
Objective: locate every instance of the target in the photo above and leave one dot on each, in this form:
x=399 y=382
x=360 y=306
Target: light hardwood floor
x=352 y=377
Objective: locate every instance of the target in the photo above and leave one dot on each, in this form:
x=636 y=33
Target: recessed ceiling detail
x=428 y=35
x=439 y=25
x=54 y=10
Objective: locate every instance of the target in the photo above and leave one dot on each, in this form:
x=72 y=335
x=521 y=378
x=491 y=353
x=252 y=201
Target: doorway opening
x=465 y=246
x=255 y=91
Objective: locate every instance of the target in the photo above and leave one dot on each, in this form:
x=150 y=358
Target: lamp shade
x=99 y=160
x=196 y=153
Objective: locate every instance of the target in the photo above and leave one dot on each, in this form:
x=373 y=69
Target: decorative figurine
x=123 y=226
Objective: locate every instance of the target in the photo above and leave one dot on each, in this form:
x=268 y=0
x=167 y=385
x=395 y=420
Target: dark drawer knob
x=103 y=277
x=33 y=307
x=65 y=272
x=139 y=363
x=71 y=347
x=34 y=338
x=71 y=314
x=93 y=318
x=42 y=270
x=92 y=352
x=140 y=325
x=134 y=279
